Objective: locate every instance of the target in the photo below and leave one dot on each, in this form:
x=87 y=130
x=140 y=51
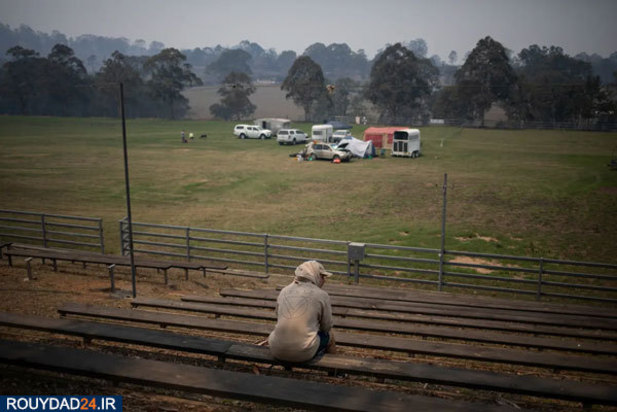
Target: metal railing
x=50 y=230
x=536 y=277
x=243 y=248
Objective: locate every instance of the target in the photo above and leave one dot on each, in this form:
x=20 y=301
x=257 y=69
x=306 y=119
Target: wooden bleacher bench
x=439 y=310
x=83 y=257
x=242 y=273
x=98 y=258
x=528 y=385
x=422 y=318
x=396 y=327
x=380 y=342
x=222 y=383
x=80 y=256
x=461 y=300
x=184 y=265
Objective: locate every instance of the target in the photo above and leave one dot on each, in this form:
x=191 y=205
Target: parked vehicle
x=407 y=143
x=273 y=124
x=339 y=135
x=291 y=136
x=246 y=131
x=327 y=151
x=322 y=132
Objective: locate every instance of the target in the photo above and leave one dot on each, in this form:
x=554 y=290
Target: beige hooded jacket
x=303 y=309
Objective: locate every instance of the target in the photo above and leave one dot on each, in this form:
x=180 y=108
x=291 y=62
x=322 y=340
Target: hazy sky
x=575 y=25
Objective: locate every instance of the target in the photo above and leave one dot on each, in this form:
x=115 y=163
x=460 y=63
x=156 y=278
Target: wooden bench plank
x=242 y=273
x=221 y=383
x=423 y=319
x=184 y=265
x=528 y=385
x=379 y=342
x=87 y=258
x=525 y=385
x=492 y=314
x=99 y=258
x=451 y=299
x=196 y=265
x=395 y=327
x=117 y=333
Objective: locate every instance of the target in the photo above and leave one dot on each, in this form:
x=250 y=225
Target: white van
x=273 y=124
x=407 y=143
x=322 y=132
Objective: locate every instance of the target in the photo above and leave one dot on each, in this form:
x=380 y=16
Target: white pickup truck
x=249 y=131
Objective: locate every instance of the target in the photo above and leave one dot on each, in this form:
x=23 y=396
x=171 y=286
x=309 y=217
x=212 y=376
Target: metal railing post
x=443 y=231
x=348 y=262
x=266 y=246
x=122 y=247
x=188 y=244
x=43 y=230
x=540 y=271
x=101 y=237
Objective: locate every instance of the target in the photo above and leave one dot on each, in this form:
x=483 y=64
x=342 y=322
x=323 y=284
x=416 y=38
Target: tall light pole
x=128 y=193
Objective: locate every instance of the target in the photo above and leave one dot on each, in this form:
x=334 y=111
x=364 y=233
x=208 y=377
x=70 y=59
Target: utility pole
x=128 y=194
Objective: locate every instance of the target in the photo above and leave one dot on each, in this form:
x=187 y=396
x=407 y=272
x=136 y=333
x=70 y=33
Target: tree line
x=59 y=84
x=337 y=60
x=403 y=87
x=542 y=84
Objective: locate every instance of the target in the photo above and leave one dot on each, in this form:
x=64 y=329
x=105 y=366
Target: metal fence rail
x=51 y=230
x=536 y=277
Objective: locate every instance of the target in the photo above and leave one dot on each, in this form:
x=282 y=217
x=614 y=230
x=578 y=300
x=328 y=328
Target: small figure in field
x=191 y=136
x=183 y=137
x=304 y=317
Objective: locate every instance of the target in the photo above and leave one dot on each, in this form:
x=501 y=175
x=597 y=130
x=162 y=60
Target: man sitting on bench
x=304 y=317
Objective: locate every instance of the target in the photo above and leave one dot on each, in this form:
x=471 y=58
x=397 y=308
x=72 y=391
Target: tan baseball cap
x=310 y=269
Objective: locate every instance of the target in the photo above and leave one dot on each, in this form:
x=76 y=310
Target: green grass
x=545 y=193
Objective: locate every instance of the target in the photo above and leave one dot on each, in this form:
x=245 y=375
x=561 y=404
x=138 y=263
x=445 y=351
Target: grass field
x=539 y=193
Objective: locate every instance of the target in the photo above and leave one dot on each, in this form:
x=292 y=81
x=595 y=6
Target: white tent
x=358 y=148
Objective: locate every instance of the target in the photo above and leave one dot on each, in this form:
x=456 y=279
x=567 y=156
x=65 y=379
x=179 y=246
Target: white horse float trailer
x=407 y=143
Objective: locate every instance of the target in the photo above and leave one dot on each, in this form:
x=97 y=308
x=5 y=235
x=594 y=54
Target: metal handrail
x=406 y=264
x=46 y=229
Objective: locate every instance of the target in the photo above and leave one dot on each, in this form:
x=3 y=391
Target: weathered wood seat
x=463 y=300
x=423 y=319
x=379 y=342
x=441 y=310
x=396 y=327
x=241 y=273
x=528 y=385
x=54 y=255
x=236 y=385
x=184 y=265
x=98 y=258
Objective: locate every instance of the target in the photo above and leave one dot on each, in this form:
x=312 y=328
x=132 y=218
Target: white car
x=291 y=136
x=340 y=135
x=249 y=131
x=327 y=151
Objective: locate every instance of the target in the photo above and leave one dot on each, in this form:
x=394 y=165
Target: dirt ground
x=74 y=283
